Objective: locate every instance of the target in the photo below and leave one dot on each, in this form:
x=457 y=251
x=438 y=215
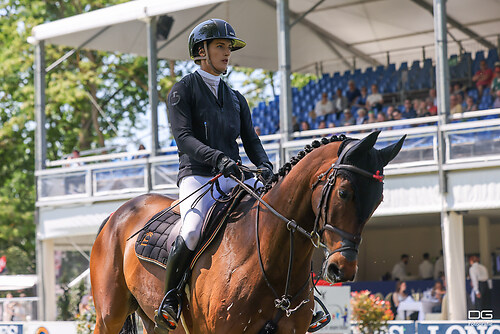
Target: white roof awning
x=17 y=282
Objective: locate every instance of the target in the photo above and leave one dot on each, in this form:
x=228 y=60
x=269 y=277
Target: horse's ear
x=388 y=153
x=366 y=143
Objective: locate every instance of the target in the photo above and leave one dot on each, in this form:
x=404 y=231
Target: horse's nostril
x=333 y=270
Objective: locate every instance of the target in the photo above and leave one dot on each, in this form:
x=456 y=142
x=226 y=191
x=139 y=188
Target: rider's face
x=219 y=51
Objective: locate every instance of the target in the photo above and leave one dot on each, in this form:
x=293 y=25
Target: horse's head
x=345 y=195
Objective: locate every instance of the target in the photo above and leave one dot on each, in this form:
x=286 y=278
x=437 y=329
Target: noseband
x=350 y=241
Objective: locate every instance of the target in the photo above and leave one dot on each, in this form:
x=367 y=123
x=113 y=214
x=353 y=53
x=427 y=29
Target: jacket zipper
x=206 y=131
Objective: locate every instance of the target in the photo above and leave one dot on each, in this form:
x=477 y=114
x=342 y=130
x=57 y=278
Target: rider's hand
x=228 y=166
x=266 y=170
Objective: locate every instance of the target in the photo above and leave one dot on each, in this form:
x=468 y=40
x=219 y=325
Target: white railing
x=469 y=138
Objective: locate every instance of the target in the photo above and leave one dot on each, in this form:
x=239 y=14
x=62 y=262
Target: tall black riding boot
x=179 y=258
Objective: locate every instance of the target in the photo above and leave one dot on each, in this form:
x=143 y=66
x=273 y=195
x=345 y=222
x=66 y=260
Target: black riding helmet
x=212 y=29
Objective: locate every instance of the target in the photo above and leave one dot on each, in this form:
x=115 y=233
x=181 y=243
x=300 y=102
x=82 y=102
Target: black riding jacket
x=205 y=127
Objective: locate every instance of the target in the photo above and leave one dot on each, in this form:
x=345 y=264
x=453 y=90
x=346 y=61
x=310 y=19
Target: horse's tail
x=130 y=325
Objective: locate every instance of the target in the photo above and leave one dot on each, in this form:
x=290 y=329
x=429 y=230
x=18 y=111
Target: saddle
x=154 y=242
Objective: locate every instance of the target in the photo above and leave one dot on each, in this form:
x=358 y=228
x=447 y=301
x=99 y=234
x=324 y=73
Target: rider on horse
x=206 y=117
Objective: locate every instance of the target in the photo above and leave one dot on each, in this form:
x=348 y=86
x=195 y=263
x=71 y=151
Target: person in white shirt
x=399 y=269
x=375 y=99
x=425 y=268
x=479 y=281
x=324 y=106
x=439 y=266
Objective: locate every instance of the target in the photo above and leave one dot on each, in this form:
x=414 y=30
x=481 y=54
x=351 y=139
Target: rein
x=350 y=241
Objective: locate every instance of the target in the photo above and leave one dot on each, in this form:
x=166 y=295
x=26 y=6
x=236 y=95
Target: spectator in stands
x=438 y=292
x=362 y=118
x=425 y=268
x=397 y=116
x=352 y=93
x=74 y=155
x=455 y=106
x=348 y=118
x=340 y=103
x=141 y=156
x=362 y=98
x=399 y=270
x=458 y=89
x=375 y=99
x=496 y=103
x=371 y=117
x=469 y=104
x=398 y=296
x=408 y=110
x=433 y=96
x=257 y=130
x=422 y=109
x=431 y=106
x=304 y=126
x=495 y=83
x=8 y=308
x=322 y=125
x=295 y=124
x=479 y=281
x=439 y=266
x=323 y=106
x=381 y=117
x=483 y=77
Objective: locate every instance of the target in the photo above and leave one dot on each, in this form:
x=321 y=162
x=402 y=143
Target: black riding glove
x=266 y=170
x=228 y=166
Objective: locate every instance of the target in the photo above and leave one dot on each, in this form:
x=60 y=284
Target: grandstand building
x=441 y=192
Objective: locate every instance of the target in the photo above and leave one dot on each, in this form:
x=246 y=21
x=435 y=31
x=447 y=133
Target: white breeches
x=192 y=218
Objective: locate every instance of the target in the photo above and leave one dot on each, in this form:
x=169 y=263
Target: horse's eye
x=343 y=194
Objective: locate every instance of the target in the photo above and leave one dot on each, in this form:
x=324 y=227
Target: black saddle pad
x=154 y=242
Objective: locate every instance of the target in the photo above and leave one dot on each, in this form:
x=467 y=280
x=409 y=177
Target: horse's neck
x=292 y=199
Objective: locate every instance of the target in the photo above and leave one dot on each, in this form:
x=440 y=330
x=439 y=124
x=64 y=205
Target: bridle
x=350 y=241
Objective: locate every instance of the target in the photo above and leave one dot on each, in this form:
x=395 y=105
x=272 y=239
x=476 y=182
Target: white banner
x=337 y=301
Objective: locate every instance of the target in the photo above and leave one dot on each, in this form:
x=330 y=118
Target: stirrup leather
x=320 y=319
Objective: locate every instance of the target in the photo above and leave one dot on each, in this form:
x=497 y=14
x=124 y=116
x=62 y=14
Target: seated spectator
x=409 y=112
x=438 y=292
x=483 y=77
x=374 y=100
x=323 y=106
x=304 y=126
x=371 y=117
x=496 y=104
x=8 y=308
x=433 y=96
x=422 y=109
x=398 y=296
x=74 y=155
x=295 y=124
x=348 y=118
x=362 y=98
x=458 y=89
x=352 y=93
x=455 y=106
x=495 y=83
x=362 y=118
x=469 y=104
x=141 y=156
x=257 y=130
x=322 y=125
x=431 y=106
x=381 y=117
x=340 y=103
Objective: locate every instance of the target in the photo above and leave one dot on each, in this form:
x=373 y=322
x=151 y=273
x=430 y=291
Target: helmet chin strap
x=207 y=58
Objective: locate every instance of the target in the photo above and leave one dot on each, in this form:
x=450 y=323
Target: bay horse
x=255 y=277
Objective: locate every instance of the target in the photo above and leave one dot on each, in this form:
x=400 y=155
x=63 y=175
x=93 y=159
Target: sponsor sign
x=337 y=301
x=401 y=327
x=460 y=327
x=11 y=328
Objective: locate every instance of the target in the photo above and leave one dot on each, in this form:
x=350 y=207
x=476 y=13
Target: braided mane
x=287 y=167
